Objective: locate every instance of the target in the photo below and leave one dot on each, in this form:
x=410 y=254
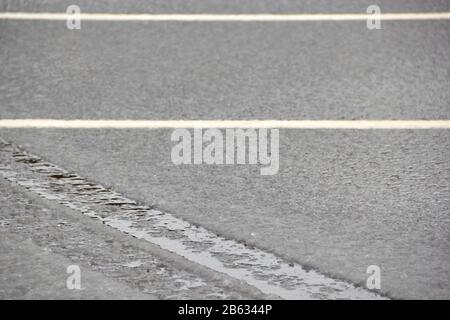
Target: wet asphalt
x=342 y=200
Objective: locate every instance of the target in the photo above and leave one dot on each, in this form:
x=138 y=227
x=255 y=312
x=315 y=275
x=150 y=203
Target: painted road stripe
x=173 y=124
x=224 y=17
x=263 y=270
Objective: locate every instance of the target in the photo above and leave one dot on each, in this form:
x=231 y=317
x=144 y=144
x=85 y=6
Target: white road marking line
x=223 y=17
x=174 y=124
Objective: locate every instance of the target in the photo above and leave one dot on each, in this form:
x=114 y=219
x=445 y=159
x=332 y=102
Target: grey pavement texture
x=342 y=200
x=40 y=239
x=225 y=70
x=29 y=272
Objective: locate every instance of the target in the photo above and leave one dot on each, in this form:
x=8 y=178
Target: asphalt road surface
x=342 y=199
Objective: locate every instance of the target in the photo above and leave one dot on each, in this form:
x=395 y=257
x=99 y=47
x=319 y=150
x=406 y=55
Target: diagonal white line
x=223 y=17
x=173 y=124
x=265 y=271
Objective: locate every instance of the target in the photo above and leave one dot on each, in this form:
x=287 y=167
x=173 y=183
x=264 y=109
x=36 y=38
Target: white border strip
x=223 y=17
x=173 y=124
